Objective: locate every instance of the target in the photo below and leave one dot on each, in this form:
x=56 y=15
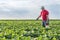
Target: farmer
x=45 y=17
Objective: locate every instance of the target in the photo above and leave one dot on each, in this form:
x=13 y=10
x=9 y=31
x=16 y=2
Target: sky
x=28 y=9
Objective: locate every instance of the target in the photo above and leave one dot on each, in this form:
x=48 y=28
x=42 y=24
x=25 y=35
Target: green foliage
x=27 y=30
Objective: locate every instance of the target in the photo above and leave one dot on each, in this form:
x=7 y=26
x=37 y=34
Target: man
x=45 y=17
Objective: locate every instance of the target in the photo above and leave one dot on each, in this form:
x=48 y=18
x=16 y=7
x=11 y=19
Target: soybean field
x=29 y=30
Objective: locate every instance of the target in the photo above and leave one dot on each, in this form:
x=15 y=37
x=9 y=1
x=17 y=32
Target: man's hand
x=37 y=18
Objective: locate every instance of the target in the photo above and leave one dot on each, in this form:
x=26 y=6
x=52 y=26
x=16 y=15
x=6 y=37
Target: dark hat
x=42 y=7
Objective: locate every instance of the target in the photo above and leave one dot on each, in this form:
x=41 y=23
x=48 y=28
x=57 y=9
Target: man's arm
x=38 y=17
x=47 y=17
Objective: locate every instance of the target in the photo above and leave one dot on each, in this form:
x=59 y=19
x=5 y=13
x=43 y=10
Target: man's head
x=42 y=8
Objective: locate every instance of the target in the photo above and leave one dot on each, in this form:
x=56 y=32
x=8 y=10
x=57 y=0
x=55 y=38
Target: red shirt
x=44 y=14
